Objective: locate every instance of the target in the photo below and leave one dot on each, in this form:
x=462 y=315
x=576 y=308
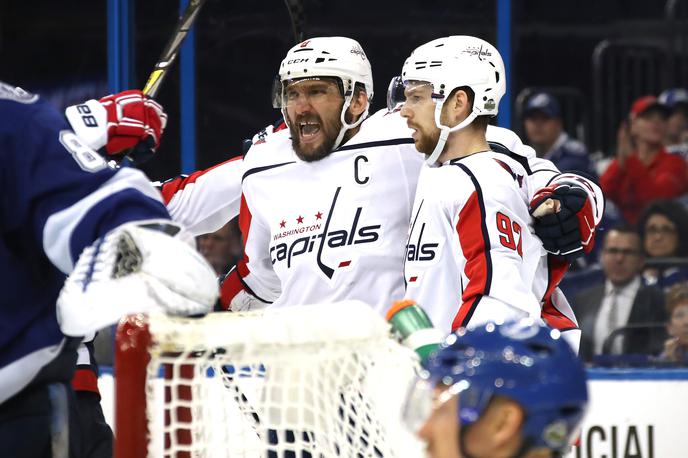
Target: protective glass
x=415 y=91
x=304 y=90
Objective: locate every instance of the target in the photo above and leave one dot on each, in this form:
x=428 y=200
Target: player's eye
x=318 y=91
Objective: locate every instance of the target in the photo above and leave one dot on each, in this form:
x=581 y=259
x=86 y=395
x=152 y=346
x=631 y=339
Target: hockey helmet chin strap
x=445 y=131
x=345 y=125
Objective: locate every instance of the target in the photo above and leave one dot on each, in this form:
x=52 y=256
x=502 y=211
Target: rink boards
x=640 y=413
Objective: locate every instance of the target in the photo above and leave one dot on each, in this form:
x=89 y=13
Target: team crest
x=555 y=434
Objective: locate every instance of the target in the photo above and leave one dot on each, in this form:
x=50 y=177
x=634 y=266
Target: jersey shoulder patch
x=276 y=149
x=16 y=94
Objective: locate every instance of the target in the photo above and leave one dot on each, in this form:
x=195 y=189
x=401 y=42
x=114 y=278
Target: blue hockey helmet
x=526 y=362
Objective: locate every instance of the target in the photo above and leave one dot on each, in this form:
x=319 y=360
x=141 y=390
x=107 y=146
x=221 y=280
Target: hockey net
x=308 y=381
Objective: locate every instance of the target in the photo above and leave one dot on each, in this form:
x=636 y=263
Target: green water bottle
x=413 y=328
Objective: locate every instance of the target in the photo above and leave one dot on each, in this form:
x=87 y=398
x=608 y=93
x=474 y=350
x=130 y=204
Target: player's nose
x=405 y=111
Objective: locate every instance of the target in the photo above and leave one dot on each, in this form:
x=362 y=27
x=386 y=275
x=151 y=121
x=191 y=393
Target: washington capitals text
x=329 y=238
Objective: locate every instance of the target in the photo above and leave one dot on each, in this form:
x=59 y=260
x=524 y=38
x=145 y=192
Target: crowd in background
x=631 y=294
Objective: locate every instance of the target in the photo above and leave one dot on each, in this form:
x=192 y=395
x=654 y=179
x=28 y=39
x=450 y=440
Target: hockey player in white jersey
x=471 y=255
x=317 y=217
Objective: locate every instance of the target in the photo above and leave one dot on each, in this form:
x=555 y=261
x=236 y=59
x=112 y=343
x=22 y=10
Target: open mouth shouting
x=308 y=131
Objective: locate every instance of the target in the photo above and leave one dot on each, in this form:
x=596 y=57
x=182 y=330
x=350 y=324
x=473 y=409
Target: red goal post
x=327 y=380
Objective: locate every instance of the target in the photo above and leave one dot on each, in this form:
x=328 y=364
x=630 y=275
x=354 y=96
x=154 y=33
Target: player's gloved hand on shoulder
x=127 y=123
x=563 y=219
x=140 y=267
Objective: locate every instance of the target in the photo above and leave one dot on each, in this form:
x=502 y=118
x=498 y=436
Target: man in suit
x=621 y=300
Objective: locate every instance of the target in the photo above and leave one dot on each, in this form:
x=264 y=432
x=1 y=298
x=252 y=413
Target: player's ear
x=507 y=418
x=457 y=107
x=359 y=102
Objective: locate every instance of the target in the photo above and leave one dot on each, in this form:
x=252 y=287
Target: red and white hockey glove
x=563 y=219
x=124 y=123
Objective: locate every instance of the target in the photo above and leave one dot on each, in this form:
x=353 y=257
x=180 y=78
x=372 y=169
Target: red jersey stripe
x=245 y=217
x=556 y=269
x=555 y=319
x=173 y=186
x=474 y=247
x=465 y=313
x=231 y=286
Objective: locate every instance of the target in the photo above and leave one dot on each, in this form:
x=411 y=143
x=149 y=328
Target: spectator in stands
x=643 y=171
x=676 y=346
x=544 y=126
x=676 y=101
x=222 y=248
x=663 y=229
x=621 y=300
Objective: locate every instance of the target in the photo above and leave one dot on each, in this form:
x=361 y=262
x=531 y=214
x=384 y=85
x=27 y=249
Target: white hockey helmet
x=446 y=64
x=339 y=57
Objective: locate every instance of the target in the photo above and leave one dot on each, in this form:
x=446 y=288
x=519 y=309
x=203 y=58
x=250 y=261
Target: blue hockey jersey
x=56 y=197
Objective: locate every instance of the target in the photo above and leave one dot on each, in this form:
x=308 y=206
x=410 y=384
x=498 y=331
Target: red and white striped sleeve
x=207 y=199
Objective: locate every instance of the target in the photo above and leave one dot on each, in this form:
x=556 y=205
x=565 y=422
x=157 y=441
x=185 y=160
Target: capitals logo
x=420 y=249
x=321 y=237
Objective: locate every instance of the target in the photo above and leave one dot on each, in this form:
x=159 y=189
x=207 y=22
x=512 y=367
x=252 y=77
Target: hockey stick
x=297 y=17
x=168 y=56
x=141 y=152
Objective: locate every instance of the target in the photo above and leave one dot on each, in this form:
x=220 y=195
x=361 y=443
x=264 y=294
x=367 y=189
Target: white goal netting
x=308 y=381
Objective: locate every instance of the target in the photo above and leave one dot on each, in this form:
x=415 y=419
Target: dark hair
x=674 y=212
x=680 y=107
x=677 y=295
x=623 y=229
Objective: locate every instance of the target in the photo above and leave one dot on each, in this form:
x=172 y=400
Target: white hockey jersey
x=376 y=171
x=334 y=229
x=471 y=256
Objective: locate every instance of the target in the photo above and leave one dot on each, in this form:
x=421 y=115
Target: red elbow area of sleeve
x=230 y=287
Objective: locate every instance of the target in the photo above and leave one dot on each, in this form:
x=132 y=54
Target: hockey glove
x=567 y=228
x=136 y=268
x=125 y=123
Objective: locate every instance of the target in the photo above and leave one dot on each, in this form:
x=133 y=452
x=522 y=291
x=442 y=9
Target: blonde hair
x=677 y=295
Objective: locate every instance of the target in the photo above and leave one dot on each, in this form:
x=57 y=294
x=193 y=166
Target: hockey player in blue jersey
x=511 y=390
x=64 y=211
